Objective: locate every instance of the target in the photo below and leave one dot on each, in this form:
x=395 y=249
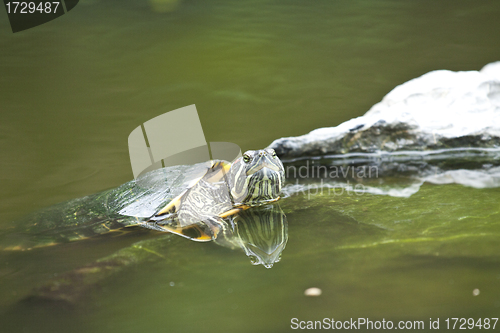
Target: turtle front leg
x=196 y=232
x=172 y=207
x=234 y=211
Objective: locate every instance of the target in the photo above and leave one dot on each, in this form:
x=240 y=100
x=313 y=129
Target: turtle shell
x=127 y=205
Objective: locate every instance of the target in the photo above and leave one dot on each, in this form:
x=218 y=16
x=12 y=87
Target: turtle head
x=256 y=178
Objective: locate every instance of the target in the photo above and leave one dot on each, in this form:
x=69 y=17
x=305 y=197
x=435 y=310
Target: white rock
x=434 y=110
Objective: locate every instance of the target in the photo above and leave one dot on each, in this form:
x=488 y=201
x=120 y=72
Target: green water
x=73 y=89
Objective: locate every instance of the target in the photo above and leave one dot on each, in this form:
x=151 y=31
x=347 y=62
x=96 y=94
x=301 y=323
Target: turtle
x=189 y=200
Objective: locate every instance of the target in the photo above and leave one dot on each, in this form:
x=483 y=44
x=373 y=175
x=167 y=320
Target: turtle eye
x=246 y=158
x=274 y=153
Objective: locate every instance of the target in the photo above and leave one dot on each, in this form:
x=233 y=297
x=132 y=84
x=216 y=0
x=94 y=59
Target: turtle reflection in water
x=261 y=232
x=203 y=202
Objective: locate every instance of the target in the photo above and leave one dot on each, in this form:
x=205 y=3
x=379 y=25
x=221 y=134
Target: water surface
x=73 y=89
